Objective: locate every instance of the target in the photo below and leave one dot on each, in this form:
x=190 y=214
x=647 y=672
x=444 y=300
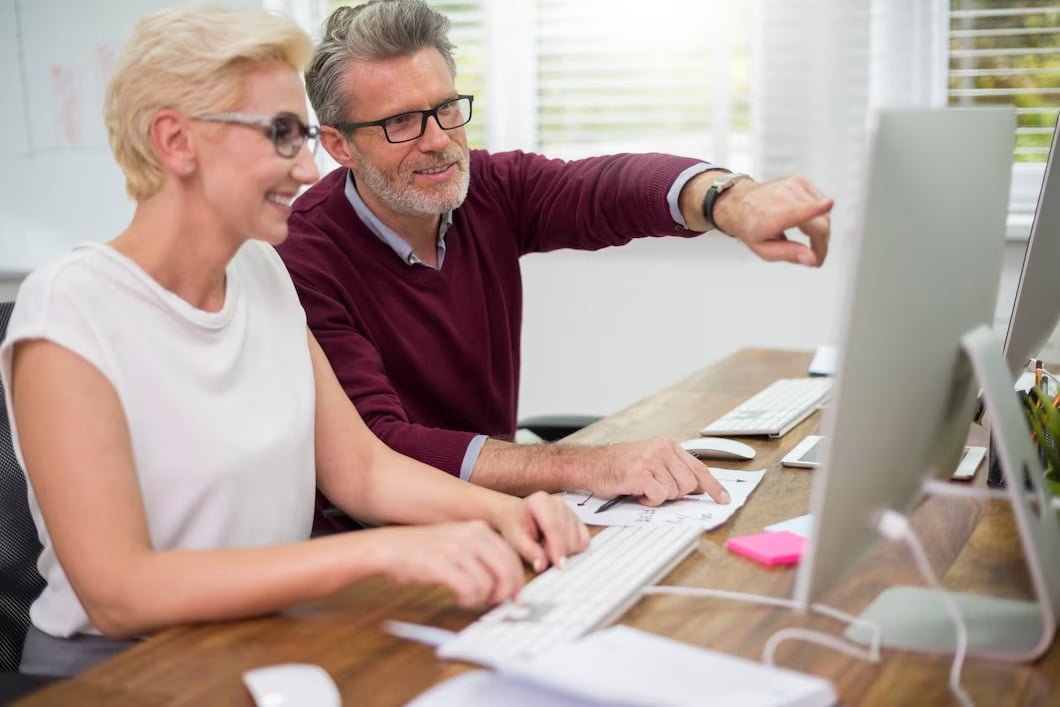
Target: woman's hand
x=468 y=557
x=541 y=528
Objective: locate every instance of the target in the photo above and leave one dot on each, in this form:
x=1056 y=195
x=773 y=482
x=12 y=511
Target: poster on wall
x=59 y=184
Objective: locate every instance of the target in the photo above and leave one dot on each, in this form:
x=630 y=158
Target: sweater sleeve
x=362 y=372
x=586 y=204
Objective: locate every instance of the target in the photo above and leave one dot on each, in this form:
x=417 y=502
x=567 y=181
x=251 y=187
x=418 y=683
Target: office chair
x=20 y=583
x=554 y=427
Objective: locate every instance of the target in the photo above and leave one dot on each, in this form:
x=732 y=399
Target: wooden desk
x=972 y=545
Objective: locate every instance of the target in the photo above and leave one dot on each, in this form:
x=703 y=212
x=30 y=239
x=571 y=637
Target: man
x=407 y=258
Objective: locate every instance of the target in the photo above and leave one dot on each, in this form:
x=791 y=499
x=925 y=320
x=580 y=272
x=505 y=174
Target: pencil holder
x=1043 y=420
x=995 y=477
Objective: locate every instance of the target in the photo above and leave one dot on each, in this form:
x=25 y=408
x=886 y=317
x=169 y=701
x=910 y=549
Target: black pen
x=612 y=502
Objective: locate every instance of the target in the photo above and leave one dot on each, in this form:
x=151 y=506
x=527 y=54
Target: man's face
x=425 y=176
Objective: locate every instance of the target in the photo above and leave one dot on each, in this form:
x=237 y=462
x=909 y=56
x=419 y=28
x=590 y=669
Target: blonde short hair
x=193 y=60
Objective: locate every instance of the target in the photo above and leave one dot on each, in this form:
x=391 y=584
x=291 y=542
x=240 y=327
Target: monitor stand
x=915 y=618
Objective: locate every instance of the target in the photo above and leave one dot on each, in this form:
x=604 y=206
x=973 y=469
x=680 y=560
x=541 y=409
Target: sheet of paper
x=625 y=666
x=699 y=510
x=427 y=635
x=803 y=525
x=478 y=688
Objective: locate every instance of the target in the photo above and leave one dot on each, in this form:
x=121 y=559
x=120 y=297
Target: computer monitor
x=926 y=272
x=1036 y=309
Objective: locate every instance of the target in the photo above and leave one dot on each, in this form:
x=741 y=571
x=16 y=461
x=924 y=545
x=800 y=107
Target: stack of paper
x=624 y=666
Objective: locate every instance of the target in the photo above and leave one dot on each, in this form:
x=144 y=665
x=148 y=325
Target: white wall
x=607 y=328
x=603 y=330
x=59 y=183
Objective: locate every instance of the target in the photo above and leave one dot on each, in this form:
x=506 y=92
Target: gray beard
x=399 y=194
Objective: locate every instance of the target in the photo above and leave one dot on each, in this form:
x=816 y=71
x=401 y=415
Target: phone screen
x=813 y=454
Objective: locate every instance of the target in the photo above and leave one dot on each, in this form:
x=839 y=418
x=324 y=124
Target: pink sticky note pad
x=782 y=548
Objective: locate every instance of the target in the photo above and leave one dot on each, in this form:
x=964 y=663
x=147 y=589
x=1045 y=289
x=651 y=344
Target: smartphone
x=969 y=463
x=807 y=455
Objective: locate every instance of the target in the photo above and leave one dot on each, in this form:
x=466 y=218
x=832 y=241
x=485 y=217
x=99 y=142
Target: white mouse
x=292 y=685
x=718 y=448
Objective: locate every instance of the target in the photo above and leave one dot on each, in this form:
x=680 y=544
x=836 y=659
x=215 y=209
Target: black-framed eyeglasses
x=408 y=126
x=286 y=130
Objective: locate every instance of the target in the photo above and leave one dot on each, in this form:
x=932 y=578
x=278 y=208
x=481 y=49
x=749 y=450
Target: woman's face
x=246 y=183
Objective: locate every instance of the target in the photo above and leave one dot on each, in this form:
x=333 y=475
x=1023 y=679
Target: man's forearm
x=655 y=469
x=521 y=469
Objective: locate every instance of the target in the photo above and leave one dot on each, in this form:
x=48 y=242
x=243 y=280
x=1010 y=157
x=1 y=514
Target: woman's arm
x=74 y=438
x=368 y=480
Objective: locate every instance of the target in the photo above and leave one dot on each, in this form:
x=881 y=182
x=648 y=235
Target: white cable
x=818 y=637
x=768 y=652
x=871 y=626
x=872 y=654
x=896 y=527
x=722 y=594
x=892 y=525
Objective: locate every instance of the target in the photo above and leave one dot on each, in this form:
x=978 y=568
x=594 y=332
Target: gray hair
x=380 y=29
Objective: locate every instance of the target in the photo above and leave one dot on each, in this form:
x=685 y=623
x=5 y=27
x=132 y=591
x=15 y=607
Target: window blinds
x=1007 y=52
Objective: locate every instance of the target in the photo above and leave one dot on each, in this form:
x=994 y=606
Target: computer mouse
x=718 y=448
x=292 y=685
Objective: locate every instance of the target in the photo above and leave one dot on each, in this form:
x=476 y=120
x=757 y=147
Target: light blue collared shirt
x=386 y=234
x=404 y=251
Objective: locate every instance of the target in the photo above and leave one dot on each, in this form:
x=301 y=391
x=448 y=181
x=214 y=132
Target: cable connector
x=892 y=525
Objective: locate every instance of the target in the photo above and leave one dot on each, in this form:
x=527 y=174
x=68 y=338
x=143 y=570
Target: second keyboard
x=774 y=410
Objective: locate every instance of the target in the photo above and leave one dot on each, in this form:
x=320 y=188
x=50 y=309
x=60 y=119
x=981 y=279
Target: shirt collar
x=386 y=234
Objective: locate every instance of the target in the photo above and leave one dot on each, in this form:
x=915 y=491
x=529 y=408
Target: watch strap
x=717 y=189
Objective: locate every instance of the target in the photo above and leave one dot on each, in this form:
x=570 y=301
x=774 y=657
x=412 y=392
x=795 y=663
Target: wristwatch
x=720 y=185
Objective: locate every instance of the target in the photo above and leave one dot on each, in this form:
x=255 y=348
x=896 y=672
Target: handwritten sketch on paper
x=700 y=510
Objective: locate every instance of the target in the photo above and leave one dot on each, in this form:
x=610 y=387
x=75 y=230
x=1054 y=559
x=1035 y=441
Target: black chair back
x=20 y=583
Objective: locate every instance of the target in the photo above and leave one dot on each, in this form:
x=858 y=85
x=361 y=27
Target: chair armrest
x=554 y=427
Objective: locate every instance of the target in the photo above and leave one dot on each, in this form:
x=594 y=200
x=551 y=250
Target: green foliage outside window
x=1013 y=58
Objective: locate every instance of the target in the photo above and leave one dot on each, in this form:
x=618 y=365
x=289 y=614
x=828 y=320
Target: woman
x=169 y=406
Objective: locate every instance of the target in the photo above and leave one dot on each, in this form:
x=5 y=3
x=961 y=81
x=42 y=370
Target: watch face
x=727 y=181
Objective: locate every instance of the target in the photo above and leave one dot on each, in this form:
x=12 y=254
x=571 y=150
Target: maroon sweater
x=431 y=357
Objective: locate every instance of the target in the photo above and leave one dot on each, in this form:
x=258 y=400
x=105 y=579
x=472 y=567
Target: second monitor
x=926 y=274
x=1036 y=308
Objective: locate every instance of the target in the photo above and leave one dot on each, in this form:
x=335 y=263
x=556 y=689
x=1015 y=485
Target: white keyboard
x=559 y=606
x=774 y=410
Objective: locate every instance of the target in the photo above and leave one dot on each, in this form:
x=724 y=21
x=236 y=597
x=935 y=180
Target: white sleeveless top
x=220 y=406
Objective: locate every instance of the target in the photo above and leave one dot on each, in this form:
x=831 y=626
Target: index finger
x=711 y=486
x=802 y=212
x=818 y=229
x=504 y=567
x=528 y=547
x=563 y=533
x=555 y=542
